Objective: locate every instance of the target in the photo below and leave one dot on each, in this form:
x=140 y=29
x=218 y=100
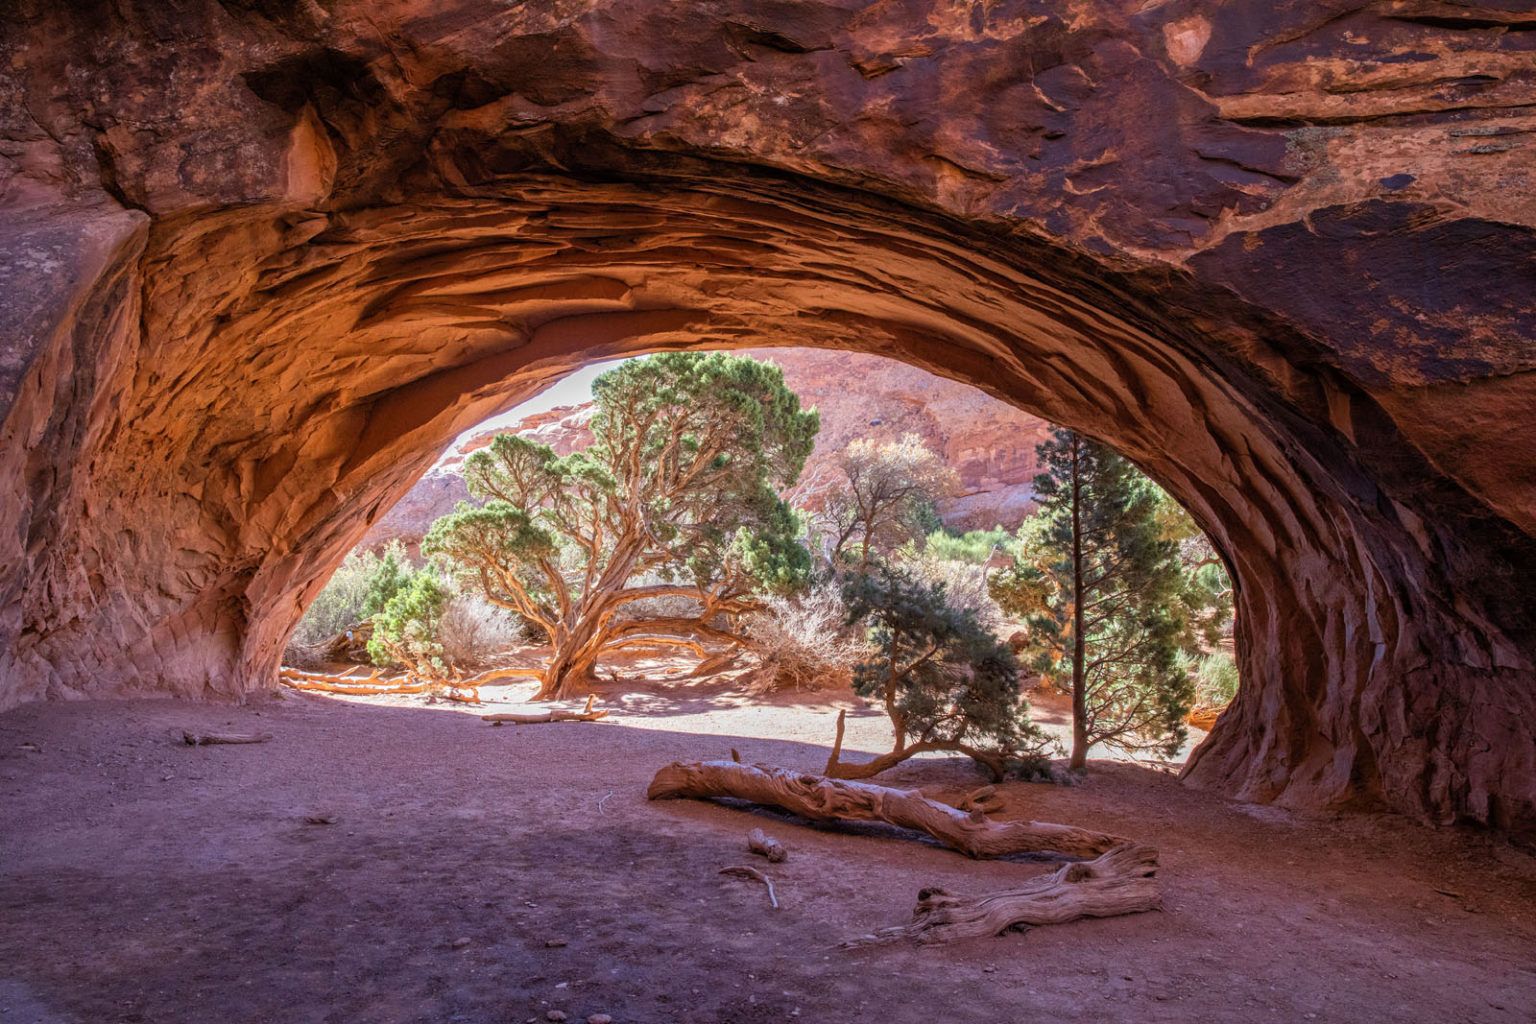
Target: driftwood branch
x=1121 y=881
x=466 y=691
x=823 y=799
x=555 y=715
x=764 y=845
x=742 y=871
x=203 y=739
x=352 y=686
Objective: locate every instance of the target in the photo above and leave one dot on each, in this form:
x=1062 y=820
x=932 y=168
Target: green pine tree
x=1101 y=588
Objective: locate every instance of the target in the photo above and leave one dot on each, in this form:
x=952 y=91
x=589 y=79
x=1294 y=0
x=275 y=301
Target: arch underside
x=221 y=395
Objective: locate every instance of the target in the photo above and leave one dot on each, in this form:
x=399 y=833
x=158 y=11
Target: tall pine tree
x=1099 y=585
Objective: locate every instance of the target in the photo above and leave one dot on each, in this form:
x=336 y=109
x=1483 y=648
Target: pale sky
x=571 y=390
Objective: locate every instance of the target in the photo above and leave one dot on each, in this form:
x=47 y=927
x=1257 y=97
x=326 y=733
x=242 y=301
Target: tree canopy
x=885 y=499
x=945 y=681
x=661 y=532
x=1100 y=584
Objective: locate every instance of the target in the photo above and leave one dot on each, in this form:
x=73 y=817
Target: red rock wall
x=261 y=261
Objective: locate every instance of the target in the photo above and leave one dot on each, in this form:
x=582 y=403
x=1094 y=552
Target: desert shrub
x=805 y=642
x=885 y=499
x=1216 y=679
x=474 y=633
x=964 y=582
x=974 y=546
x=358 y=588
x=405 y=630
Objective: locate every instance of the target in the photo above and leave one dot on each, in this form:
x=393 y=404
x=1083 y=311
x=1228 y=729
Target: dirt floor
x=480 y=874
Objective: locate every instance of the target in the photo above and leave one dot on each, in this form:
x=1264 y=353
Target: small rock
x=554 y=943
x=556 y=1015
x=459 y=943
x=599 y=1018
x=319 y=819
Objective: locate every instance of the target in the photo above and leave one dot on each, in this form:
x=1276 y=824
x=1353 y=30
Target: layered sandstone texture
x=989 y=444
x=261 y=260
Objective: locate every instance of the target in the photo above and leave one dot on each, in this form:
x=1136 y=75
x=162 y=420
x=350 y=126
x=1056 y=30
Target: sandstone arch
x=264 y=258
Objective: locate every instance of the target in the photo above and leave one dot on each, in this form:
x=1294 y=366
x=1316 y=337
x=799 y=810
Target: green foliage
x=405 y=629
x=886 y=499
x=974 y=547
x=1215 y=678
x=681 y=486
x=1205 y=599
x=946 y=682
x=357 y=589
x=1096 y=556
x=391 y=573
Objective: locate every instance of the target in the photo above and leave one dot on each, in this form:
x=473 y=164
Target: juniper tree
x=405 y=628
x=1100 y=584
x=945 y=681
x=677 y=498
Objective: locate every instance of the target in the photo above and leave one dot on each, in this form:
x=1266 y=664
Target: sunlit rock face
x=263 y=260
x=989 y=444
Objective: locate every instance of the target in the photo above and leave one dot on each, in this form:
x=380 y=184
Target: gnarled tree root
x=555 y=715
x=1121 y=881
x=824 y=799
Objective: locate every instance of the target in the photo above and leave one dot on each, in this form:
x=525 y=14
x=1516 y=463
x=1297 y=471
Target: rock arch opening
x=241 y=332
x=952 y=474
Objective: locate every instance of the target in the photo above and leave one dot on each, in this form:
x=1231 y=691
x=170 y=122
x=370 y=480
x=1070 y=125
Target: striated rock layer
x=263 y=259
x=989 y=444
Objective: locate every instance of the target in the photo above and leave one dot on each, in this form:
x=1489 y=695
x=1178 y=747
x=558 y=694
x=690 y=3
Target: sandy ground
x=479 y=874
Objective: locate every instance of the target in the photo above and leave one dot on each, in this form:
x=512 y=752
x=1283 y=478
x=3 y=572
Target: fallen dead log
x=466 y=691
x=742 y=871
x=352 y=686
x=764 y=845
x=1120 y=881
x=823 y=799
x=496 y=675
x=203 y=739
x=555 y=715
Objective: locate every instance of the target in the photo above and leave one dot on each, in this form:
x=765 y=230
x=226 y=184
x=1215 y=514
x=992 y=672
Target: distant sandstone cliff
x=989 y=444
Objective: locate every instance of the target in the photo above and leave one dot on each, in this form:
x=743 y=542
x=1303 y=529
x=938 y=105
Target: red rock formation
x=262 y=260
x=990 y=444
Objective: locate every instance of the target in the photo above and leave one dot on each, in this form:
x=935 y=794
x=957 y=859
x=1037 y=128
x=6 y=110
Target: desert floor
x=480 y=874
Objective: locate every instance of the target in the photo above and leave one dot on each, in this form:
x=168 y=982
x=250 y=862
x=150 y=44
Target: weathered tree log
x=764 y=845
x=497 y=675
x=352 y=686
x=824 y=799
x=465 y=691
x=1121 y=881
x=554 y=715
x=203 y=739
